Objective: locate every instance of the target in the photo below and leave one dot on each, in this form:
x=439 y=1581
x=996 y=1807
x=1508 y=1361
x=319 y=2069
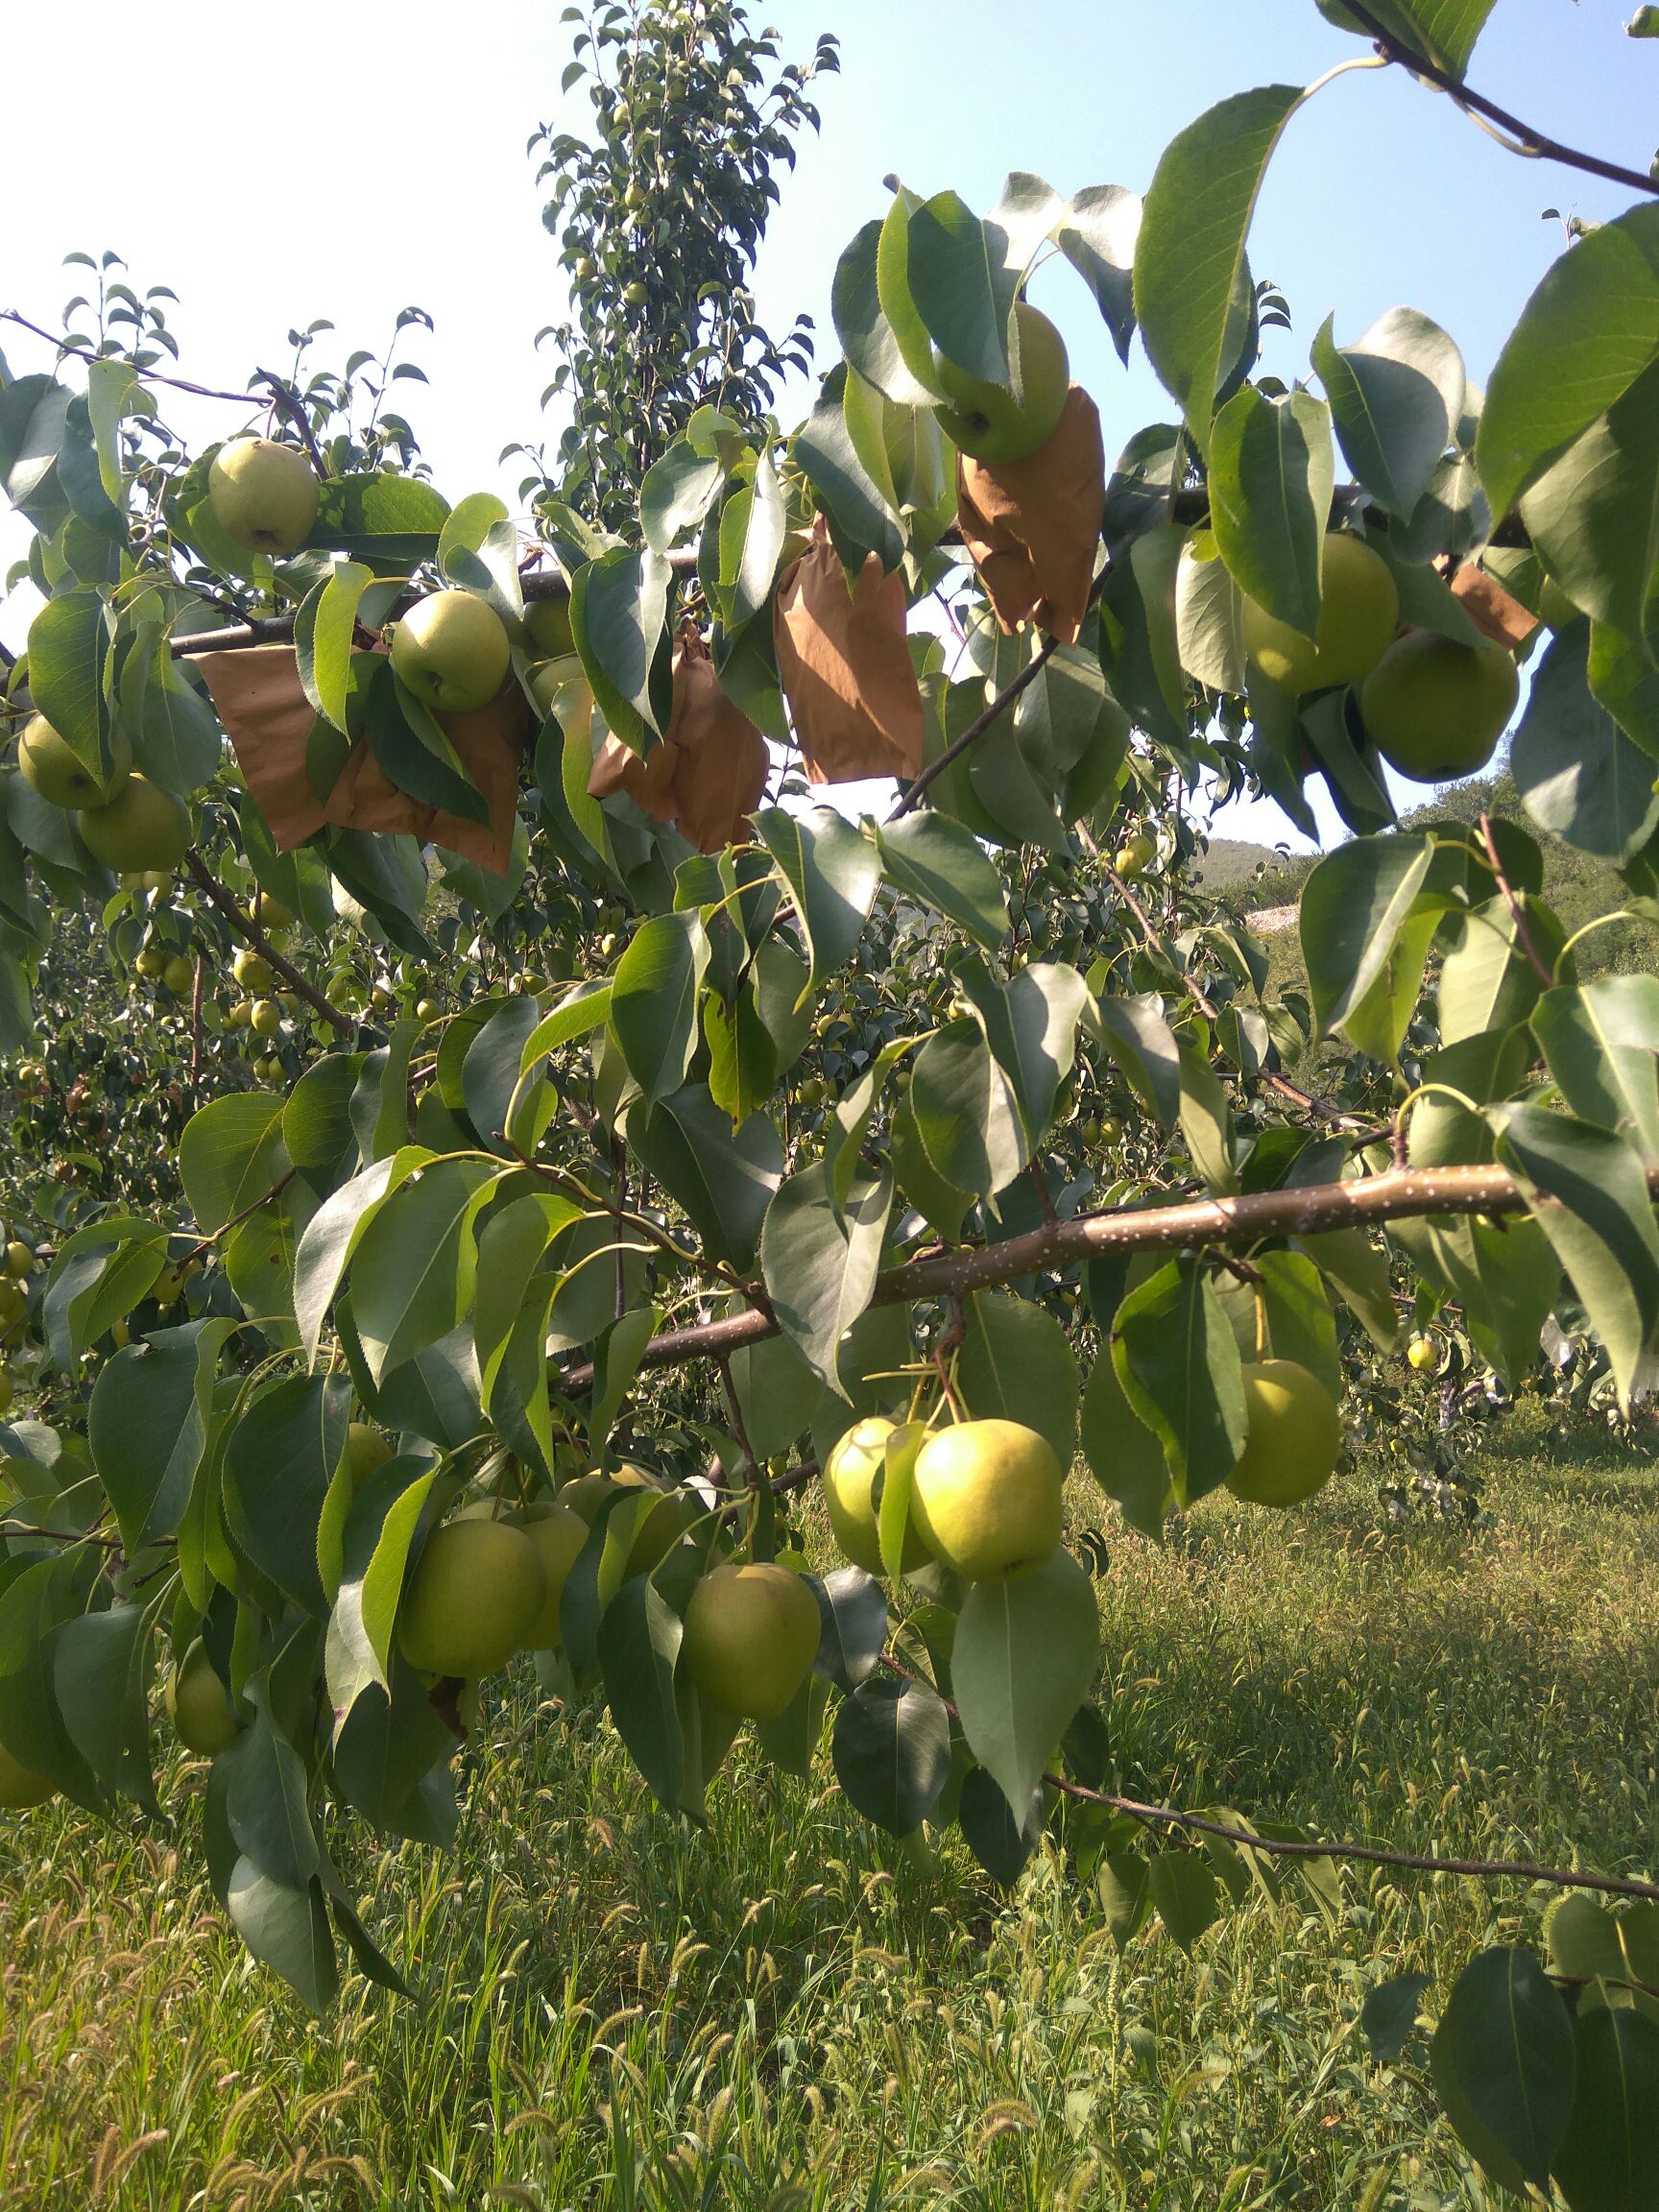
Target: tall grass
x=618 y=2011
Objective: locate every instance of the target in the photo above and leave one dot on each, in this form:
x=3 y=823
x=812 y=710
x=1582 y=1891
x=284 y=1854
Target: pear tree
x=705 y=1144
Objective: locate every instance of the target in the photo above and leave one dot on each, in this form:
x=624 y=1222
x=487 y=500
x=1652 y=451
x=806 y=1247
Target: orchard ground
x=616 y=2011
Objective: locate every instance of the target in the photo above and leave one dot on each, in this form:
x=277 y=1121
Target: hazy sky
x=275 y=167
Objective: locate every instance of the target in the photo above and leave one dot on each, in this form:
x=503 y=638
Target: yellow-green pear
x=253 y=971
x=453 y=651
x=1358 y=610
x=1435 y=709
x=263 y=495
x=142 y=826
x=178 y=974
x=547 y=623
x=751 y=1637
x=850 y=1476
x=984 y=420
x=471 y=1599
x=987 y=1497
x=199 y=1705
x=1293 y=1437
x=365 y=1449
x=19 y=1786
x=59 y=774
x=558 y=1536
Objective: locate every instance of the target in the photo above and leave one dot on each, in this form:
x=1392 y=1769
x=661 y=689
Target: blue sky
x=348 y=169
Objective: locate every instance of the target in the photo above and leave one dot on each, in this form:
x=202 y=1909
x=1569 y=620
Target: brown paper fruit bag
x=1033 y=526
x=649 y=781
x=844 y=663
x=720 y=758
x=268 y=721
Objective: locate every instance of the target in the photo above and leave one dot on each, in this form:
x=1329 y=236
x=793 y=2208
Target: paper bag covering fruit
x=1033 y=526
x=270 y=722
x=707 y=773
x=844 y=663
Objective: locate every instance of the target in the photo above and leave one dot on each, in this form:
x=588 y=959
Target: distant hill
x=1230 y=870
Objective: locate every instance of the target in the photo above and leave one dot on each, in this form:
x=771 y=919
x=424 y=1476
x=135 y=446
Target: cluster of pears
x=175 y=971
x=126 y=822
x=986 y=1497
x=1433 y=707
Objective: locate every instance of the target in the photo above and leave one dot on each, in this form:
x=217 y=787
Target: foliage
x=690 y=1157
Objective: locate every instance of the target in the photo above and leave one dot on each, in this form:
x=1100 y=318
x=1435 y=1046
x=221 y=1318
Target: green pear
x=199 y=1705
x=1293 y=1437
x=19 y=1788
x=142 y=826
x=1358 y=610
x=988 y=1498
x=59 y=775
x=1435 y=708
x=985 y=419
x=547 y=623
x=852 y=1474
x=557 y=1535
x=263 y=495
x=451 y=649
x=751 y=1637
x=365 y=1449
x=471 y=1599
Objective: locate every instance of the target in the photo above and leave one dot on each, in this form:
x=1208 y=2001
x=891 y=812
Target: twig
x=1193 y=1225
x=1534 y=145
x=248 y=928
x=1517 y=912
x=294 y=407
x=196 y=1027
x=275 y=1190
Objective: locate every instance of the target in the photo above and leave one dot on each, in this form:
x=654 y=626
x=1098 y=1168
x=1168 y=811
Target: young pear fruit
x=985 y=419
x=178 y=974
x=850 y=1474
x=988 y=1498
x=556 y=1536
x=199 y=1705
x=142 y=826
x=1135 y=856
x=453 y=651
x=549 y=624
x=59 y=775
x=266 y=1018
x=365 y=1449
x=264 y=496
x=1423 y=1353
x=19 y=1259
x=1357 y=612
x=751 y=1637
x=1293 y=1437
x=471 y=1599
x=19 y=1786
x=1435 y=708
x=253 y=971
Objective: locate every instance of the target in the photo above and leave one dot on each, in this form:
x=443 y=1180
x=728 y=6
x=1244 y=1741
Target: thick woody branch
x=1400 y=1194
x=246 y=929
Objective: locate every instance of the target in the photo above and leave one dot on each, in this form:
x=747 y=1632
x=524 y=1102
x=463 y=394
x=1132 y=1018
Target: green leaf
x=147 y=1426
x=1022 y=1661
x=1504 y=2062
x=639 y=1644
x=1443 y=32
x=1608 y=2160
x=229 y=1156
x=892 y=1751
x=393 y=522
x=832 y=872
x=1209 y=616
x=1185 y=1892
x=412 y=749
x=382 y=1524
x=1190 y=251
x=1272 y=473
x=654 y=1000
x=777 y=1391
x=617 y=1356
x=1389 y=2016
x=966 y=1112
x=1585 y=336
x=963 y=288
x=1206 y=1122
x=1578 y=775
x=619 y=611
x=1599 y=1043
x=724 y=1179
x=286 y=1930
x=854 y=1609
x=175 y=733
x=936 y=1200
x=1098 y=238
x=333 y=1232
x=414 y=1269
x=821 y=1264
x=1488 y=984
x=1142 y=1048
x=280 y=1460
x=325 y=638
x=1017 y=1364
x=267 y=1809
x=991 y=1830
x=478 y=551
x=867 y=337
x=1588 y=1192
x=849 y=498
x=68 y=645
x=1178 y=1363
x=931 y=858
x=1593 y=516
x=1353 y=906
x=1377 y=1021
x=101 y=1673
x=1397 y=395
x=676 y=492
x=1124 y=1457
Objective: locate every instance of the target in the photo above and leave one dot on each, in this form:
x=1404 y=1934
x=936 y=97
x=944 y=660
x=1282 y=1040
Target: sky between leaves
x=274 y=168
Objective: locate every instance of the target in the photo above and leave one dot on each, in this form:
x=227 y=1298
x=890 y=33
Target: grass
x=784 y=2012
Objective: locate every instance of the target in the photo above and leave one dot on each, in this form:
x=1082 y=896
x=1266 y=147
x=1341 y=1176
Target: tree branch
x=1399 y=1194
x=248 y=930
x=1535 y=145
